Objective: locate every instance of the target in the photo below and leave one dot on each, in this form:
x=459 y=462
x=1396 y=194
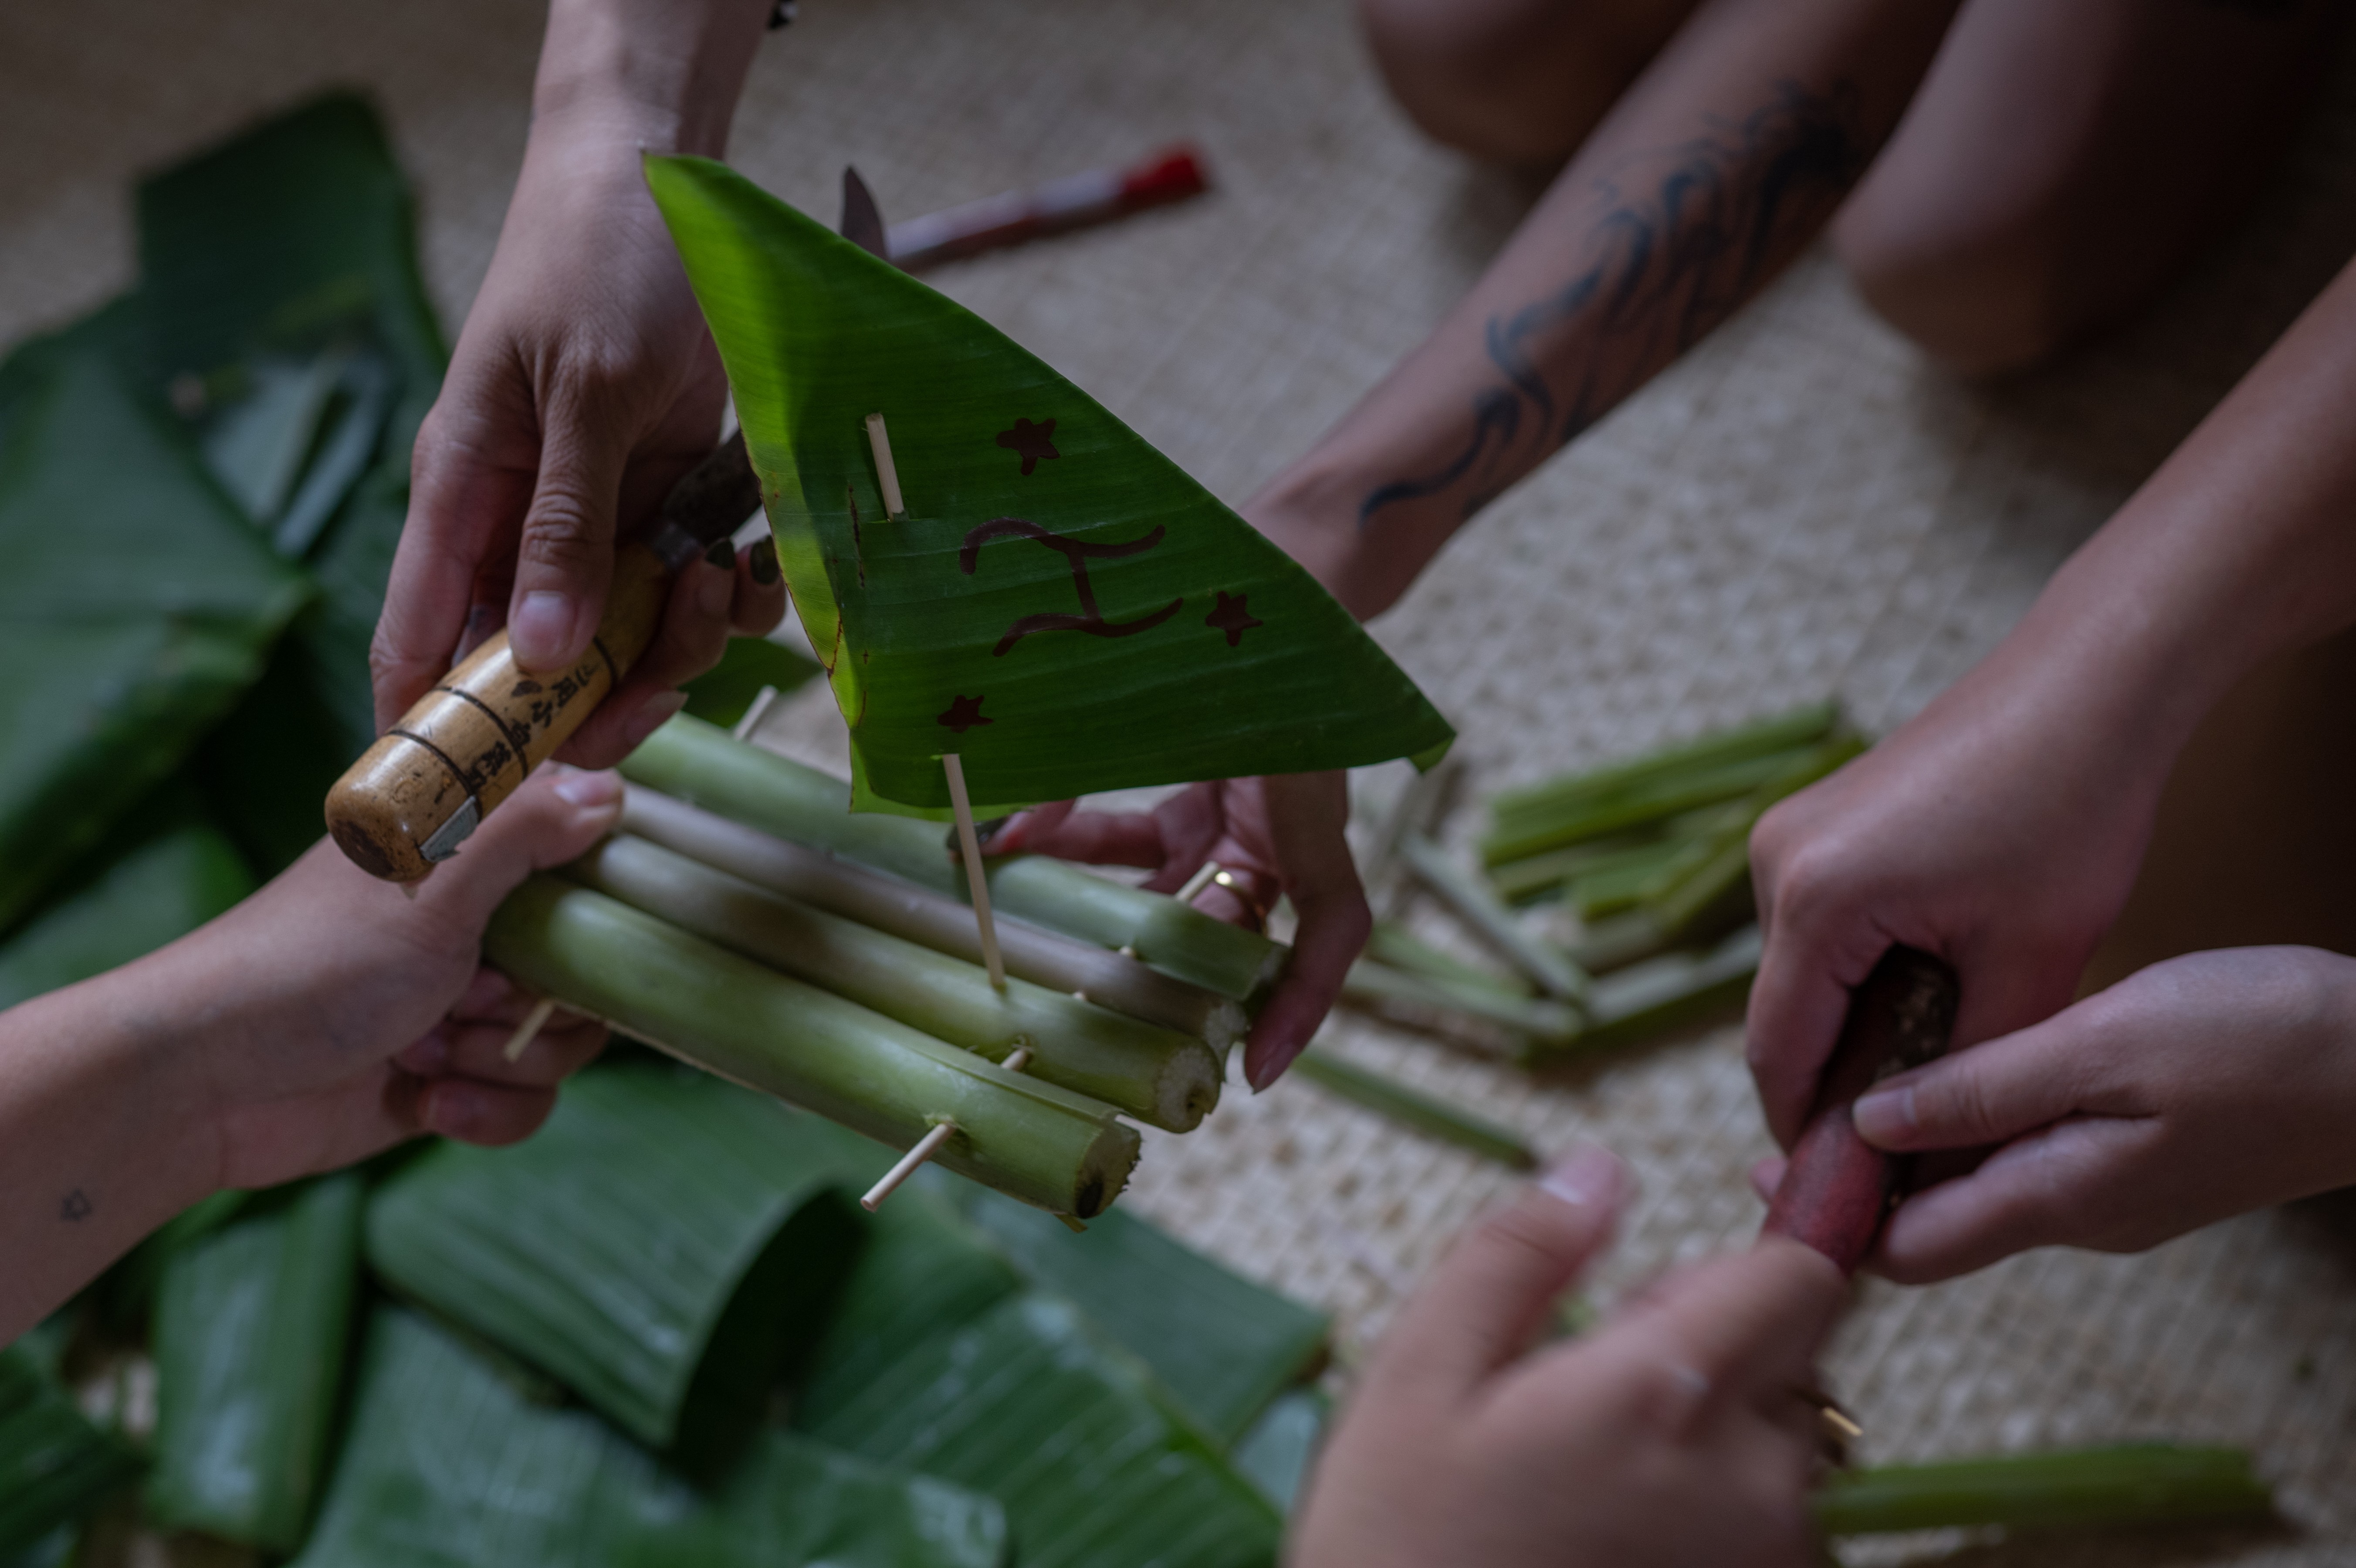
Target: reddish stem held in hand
x=1836 y=1188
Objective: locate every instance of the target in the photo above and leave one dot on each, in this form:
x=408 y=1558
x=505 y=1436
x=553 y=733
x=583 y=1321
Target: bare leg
x=2064 y=162
x=1517 y=81
x=2256 y=838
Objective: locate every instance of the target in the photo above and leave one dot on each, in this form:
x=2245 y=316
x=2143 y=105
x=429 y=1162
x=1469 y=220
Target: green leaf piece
x=654 y=1247
x=1033 y=1405
x=1277 y=1453
x=1221 y=1345
x=137 y=606
x=450 y=1465
x=250 y=1327
x=164 y=871
x=55 y=1465
x=1059 y=604
x=723 y=694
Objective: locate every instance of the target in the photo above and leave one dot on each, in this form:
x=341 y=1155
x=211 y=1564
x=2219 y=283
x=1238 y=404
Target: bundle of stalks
x=834 y=961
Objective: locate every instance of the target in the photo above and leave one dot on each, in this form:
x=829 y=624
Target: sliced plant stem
x=934 y=920
x=1540 y=809
x=1466 y=893
x=1612 y=883
x=1159 y=1075
x=1617 y=940
x=1414 y=1108
x=1712 y=871
x=1029 y=1139
x=700 y=764
x=1394 y=945
x=1663 y=992
x=2133 y=1484
x=1545 y=1021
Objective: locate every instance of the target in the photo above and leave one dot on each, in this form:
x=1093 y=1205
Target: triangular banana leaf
x=55 y=1465
x=164 y=871
x=451 y=1465
x=252 y=1324
x=1035 y=1406
x=137 y=607
x=659 y=1247
x=282 y=306
x=1222 y=1346
x=1059 y=604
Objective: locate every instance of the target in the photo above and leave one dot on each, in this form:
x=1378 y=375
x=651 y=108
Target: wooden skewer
x=924 y=1149
x=1017 y=1060
x=1202 y=878
x=527 y=1030
x=972 y=844
x=753 y=715
x=887 y=476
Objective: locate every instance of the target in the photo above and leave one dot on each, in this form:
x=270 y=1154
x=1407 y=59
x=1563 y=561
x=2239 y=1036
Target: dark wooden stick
x=1837 y=1188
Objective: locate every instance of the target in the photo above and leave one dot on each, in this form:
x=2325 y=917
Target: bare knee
x=1980 y=293
x=1517 y=81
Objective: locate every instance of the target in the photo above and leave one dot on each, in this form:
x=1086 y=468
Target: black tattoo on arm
x=1662 y=270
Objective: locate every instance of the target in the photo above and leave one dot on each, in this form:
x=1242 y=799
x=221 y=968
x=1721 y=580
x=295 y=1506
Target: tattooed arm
x=1721 y=163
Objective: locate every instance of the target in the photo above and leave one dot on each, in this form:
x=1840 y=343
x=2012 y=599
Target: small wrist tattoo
x=75 y=1207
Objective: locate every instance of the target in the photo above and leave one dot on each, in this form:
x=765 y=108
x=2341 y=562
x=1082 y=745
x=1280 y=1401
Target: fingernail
x=1885 y=1116
x=764 y=562
x=537 y=630
x=590 y=789
x=718 y=588
x=1272 y=1065
x=656 y=713
x=452 y=1108
x=1589 y=1177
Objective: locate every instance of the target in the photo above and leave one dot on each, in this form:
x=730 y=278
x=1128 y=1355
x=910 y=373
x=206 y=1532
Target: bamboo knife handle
x=1836 y=1188
x=428 y=781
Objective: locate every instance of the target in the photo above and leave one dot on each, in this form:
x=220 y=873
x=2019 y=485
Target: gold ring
x=1234 y=884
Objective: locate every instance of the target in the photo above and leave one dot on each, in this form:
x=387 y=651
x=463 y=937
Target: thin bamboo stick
x=932 y=920
x=1552 y=969
x=976 y=883
x=887 y=477
x=1159 y=1075
x=529 y=1030
x=923 y=1148
x=1412 y=1107
x=1546 y=1022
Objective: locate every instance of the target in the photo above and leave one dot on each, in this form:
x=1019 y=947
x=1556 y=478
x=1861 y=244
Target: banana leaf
x=1221 y=1345
x=137 y=606
x=452 y=1465
x=723 y=694
x=1034 y=1405
x=162 y=873
x=1054 y=601
x=1276 y=1454
x=55 y=1463
x=658 y=1247
x=252 y=1323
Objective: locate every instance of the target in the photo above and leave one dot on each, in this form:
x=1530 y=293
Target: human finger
x=1192 y=823
x=1984 y=1095
x=473 y=1112
x=760 y=601
x=1486 y=1299
x=1335 y=922
x=1737 y=1322
x=555 y=1051
x=553 y=818
x=1094 y=837
x=691 y=638
x=2056 y=1186
x=564 y=556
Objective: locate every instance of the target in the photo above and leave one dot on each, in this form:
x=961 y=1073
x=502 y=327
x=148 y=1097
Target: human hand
x=2193 y=1090
x=1277 y=836
x=584 y=385
x=1682 y=1431
x=2000 y=830
x=340 y=1017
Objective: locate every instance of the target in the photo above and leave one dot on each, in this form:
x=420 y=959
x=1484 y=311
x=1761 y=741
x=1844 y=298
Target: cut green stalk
x=700 y=764
x=1413 y=1108
x=1612 y=883
x=1394 y=945
x=1617 y=940
x=1157 y=1074
x=1044 y=1144
x=934 y=920
x=1655 y=801
x=1466 y=893
x=1660 y=993
x=1711 y=875
x=250 y=1327
x=1546 y=1022
x=55 y=1466
x=2133 y=1484
x=1555 y=805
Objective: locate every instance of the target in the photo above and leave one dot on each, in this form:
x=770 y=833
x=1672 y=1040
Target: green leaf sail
x=1060 y=604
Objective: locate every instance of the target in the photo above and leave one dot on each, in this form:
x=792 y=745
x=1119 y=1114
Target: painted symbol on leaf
x=964 y=713
x=1033 y=440
x=1232 y=618
x=1090 y=619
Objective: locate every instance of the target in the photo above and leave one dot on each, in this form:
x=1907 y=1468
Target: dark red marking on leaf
x=964 y=713
x=1090 y=619
x=1033 y=440
x=1232 y=618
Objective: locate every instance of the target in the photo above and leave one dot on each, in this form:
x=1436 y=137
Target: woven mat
x=1799 y=507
